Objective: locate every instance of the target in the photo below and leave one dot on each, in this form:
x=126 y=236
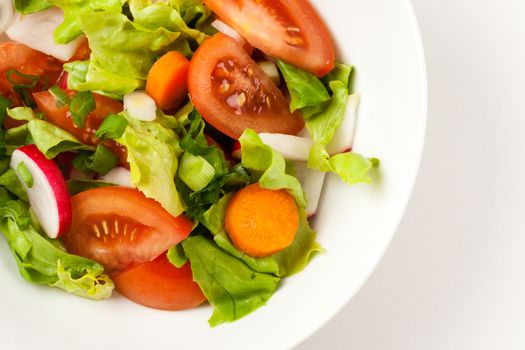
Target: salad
x=172 y=150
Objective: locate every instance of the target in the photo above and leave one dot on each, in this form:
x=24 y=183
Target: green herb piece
x=101 y=161
x=23 y=84
x=25 y=174
x=112 y=127
x=77 y=186
x=80 y=106
x=4 y=105
x=195 y=171
x=61 y=97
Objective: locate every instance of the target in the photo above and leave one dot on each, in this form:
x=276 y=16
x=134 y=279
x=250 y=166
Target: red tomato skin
x=160 y=285
x=24 y=59
x=291 y=30
x=119 y=227
x=273 y=116
x=61 y=117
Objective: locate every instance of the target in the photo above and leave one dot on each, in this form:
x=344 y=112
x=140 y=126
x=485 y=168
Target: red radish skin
x=236 y=152
x=48 y=196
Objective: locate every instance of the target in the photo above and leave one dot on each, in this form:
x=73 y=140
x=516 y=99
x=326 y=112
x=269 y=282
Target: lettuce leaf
x=153 y=154
x=40 y=261
x=124 y=50
x=231 y=287
x=289 y=261
x=269 y=165
x=70 y=29
x=351 y=167
x=324 y=113
x=52 y=140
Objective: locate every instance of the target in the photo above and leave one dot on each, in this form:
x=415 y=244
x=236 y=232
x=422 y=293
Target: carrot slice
x=261 y=222
x=167 y=80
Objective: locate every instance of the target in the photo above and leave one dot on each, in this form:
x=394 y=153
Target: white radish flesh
x=344 y=135
x=229 y=31
x=312 y=181
x=48 y=195
x=36 y=31
x=290 y=146
x=118 y=176
x=6 y=15
x=270 y=69
x=140 y=106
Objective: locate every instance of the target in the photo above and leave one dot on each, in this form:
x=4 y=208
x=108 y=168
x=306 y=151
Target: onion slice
x=229 y=31
x=140 y=106
x=36 y=31
x=6 y=14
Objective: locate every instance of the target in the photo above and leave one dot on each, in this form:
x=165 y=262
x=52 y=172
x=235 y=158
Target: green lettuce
x=350 y=166
x=52 y=140
x=124 y=50
x=70 y=29
x=269 y=165
x=289 y=261
x=41 y=261
x=153 y=154
x=324 y=113
x=231 y=287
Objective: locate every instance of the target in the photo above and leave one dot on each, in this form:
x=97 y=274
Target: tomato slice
x=119 y=227
x=61 y=117
x=160 y=285
x=233 y=93
x=287 y=29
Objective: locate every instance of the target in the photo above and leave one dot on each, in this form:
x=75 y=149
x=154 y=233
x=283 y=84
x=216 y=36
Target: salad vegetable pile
x=173 y=150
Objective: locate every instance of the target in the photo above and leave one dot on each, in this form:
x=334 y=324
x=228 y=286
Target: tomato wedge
x=27 y=61
x=61 y=117
x=233 y=93
x=119 y=227
x=160 y=285
x=287 y=29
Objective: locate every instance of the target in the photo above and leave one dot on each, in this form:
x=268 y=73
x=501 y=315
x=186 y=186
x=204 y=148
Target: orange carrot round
x=261 y=222
x=167 y=80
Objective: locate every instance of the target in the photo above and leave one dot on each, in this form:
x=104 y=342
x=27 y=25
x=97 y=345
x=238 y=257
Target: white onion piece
x=118 y=176
x=270 y=69
x=291 y=147
x=36 y=31
x=229 y=31
x=140 y=106
x=344 y=135
x=6 y=14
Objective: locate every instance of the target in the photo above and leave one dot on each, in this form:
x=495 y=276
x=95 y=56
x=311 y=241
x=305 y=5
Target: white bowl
x=355 y=224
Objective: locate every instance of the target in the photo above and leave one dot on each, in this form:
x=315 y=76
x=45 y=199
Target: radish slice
x=344 y=135
x=229 y=31
x=290 y=146
x=47 y=190
x=140 y=106
x=271 y=70
x=118 y=176
x=36 y=31
x=312 y=181
x=6 y=15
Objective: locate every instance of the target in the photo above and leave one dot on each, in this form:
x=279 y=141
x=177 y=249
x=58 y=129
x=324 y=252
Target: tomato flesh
x=232 y=92
x=160 y=285
x=61 y=117
x=287 y=29
x=119 y=227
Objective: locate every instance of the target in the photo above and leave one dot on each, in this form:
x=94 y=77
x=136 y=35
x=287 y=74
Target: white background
x=454 y=276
